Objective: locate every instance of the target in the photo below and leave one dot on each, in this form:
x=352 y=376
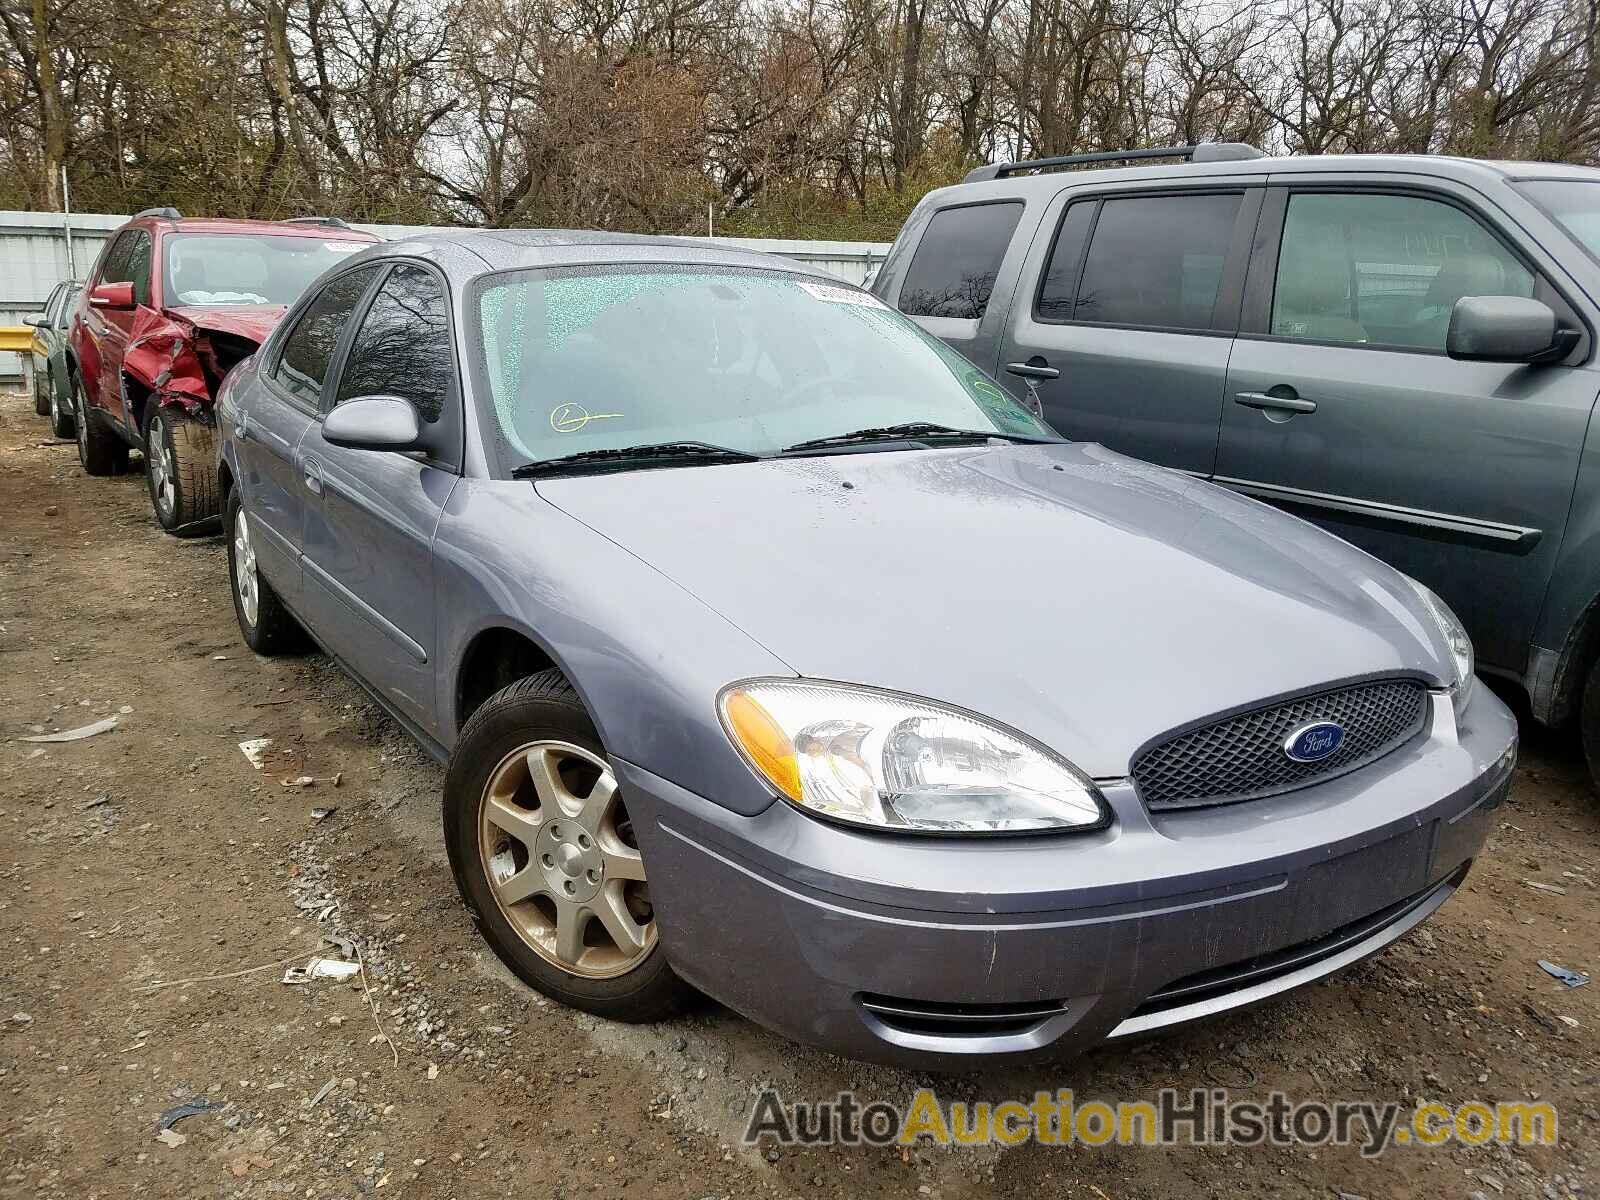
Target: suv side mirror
x=373 y=423
x=112 y=295
x=36 y=320
x=1510 y=329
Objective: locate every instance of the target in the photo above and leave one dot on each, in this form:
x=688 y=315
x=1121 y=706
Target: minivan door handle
x=1265 y=400
x=1034 y=368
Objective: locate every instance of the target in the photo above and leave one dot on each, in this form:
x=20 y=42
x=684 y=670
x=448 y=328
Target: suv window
x=139 y=266
x=1154 y=261
x=115 y=267
x=403 y=345
x=309 y=347
x=955 y=265
x=1384 y=269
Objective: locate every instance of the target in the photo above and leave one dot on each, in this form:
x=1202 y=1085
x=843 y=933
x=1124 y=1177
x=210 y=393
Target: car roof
x=1465 y=170
x=239 y=225
x=514 y=249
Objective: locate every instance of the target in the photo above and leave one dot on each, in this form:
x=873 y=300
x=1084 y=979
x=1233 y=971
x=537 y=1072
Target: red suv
x=170 y=307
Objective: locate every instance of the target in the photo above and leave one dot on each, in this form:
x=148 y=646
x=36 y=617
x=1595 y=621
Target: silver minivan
x=1399 y=348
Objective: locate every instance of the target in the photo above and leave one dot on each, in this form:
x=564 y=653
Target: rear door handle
x=1265 y=400
x=1033 y=370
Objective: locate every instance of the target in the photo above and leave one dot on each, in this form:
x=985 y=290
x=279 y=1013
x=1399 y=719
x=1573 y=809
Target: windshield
x=1574 y=204
x=581 y=359
x=217 y=268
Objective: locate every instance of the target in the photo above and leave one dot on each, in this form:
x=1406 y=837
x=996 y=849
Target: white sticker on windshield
x=344 y=247
x=841 y=295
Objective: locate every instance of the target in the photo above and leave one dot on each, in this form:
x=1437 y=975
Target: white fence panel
x=33 y=257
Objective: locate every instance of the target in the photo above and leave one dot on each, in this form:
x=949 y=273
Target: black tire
x=62 y=422
x=180 y=472
x=273 y=631
x=1589 y=724
x=542 y=706
x=41 y=393
x=99 y=450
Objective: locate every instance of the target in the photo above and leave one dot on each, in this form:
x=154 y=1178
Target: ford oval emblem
x=1314 y=742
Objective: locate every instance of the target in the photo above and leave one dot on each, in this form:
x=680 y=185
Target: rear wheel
x=1589 y=723
x=267 y=627
x=99 y=450
x=180 y=470
x=544 y=854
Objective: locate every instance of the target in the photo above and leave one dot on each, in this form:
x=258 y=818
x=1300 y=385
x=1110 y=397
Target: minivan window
x=1575 y=206
x=1059 y=287
x=953 y=271
x=1384 y=269
x=1157 y=260
x=310 y=344
x=403 y=345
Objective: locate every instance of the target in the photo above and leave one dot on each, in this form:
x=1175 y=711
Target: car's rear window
x=216 y=268
x=583 y=359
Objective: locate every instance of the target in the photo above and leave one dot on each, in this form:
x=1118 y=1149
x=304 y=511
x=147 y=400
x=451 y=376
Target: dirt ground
x=154 y=854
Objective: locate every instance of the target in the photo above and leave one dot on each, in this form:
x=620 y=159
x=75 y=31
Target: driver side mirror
x=373 y=423
x=112 y=295
x=1510 y=329
x=36 y=321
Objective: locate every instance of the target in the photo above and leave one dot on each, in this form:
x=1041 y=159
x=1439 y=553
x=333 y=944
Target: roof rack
x=1200 y=152
x=166 y=214
x=333 y=221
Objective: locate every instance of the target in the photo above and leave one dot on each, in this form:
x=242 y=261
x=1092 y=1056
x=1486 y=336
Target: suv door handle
x=312 y=468
x=1034 y=368
x=1265 y=400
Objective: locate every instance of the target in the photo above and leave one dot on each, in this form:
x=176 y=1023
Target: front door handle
x=313 y=473
x=1034 y=368
x=1283 y=403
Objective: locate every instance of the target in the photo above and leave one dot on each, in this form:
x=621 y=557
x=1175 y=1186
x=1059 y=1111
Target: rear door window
x=1385 y=270
x=307 y=351
x=403 y=346
x=954 y=269
x=1153 y=261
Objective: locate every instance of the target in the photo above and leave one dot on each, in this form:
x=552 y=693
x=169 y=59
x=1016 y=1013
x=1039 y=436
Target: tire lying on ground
x=180 y=469
x=62 y=422
x=41 y=393
x=543 y=853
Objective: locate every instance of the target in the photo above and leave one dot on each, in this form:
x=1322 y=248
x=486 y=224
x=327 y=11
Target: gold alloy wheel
x=558 y=850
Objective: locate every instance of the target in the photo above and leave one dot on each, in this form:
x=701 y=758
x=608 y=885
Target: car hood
x=1087 y=599
x=253 y=321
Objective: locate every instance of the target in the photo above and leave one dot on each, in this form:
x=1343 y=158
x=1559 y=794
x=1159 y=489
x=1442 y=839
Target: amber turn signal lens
x=769 y=749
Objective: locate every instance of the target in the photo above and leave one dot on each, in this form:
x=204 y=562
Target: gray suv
x=1401 y=349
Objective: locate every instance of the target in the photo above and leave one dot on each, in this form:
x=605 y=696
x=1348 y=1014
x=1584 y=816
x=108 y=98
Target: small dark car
x=170 y=306
x=52 y=395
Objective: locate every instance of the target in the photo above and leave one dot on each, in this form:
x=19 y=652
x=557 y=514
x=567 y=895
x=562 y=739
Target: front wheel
x=62 y=422
x=180 y=470
x=544 y=854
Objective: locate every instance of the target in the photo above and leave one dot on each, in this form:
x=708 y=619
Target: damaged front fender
x=182 y=363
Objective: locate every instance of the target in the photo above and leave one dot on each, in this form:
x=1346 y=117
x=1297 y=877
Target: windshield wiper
x=916 y=431
x=663 y=452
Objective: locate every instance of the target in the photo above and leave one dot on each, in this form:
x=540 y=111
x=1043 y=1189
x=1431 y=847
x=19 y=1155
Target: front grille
x=1242 y=757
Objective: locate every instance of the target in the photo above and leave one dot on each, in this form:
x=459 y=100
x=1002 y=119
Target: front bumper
x=935 y=953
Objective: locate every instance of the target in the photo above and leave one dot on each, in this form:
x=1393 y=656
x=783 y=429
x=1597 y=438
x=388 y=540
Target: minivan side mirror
x=1511 y=329
x=373 y=423
x=36 y=320
x=112 y=295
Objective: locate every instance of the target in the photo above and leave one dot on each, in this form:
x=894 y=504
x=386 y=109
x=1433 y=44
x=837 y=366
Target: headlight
x=893 y=762
x=1455 y=637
